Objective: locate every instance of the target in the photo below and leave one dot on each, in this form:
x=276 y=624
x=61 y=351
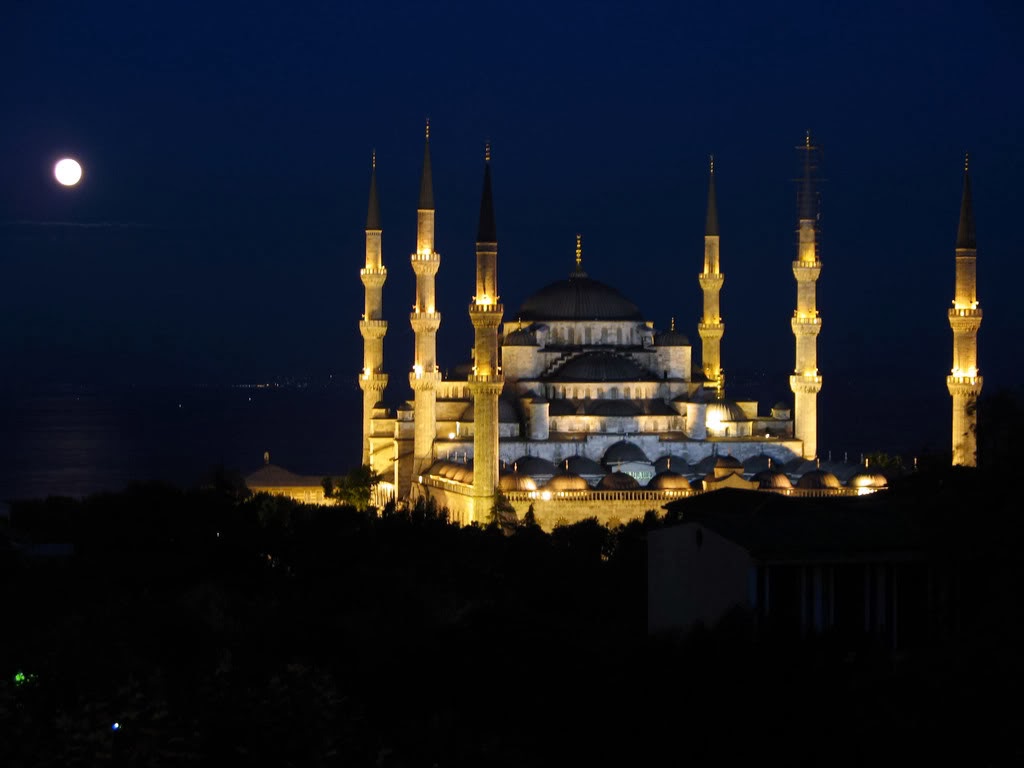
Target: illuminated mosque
x=580 y=407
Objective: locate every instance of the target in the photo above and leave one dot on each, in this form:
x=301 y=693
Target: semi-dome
x=602 y=366
x=516 y=481
x=578 y=298
x=567 y=481
x=669 y=481
x=673 y=463
x=725 y=466
x=623 y=451
x=818 y=479
x=617 y=481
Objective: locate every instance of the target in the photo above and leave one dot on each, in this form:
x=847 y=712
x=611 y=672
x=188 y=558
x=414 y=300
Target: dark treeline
x=220 y=630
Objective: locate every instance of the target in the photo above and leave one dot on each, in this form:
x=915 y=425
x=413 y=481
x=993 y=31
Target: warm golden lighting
x=418 y=370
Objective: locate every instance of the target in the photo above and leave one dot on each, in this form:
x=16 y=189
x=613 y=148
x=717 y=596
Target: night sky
x=217 y=234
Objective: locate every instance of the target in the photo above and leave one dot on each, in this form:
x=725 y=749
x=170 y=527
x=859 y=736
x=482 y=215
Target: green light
x=19 y=678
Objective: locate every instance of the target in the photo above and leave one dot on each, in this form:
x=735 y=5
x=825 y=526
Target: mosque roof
x=817 y=479
x=614 y=408
x=273 y=476
x=601 y=366
x=581 y=465
x=535 y=465
x=671 y=338
x=516 y=481
x=521 y=337
x=772 y=478
x=579 y=298
x=725 y=410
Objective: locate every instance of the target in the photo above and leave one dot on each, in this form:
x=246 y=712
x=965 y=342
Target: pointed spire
x=579 y=257
x=487 y=232
x=711 y=225
x=672 y=324
x=426 y=180
x=965 y=233
x=807 y=183
x=373 y=209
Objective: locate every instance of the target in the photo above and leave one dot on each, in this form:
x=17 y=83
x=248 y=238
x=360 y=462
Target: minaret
x=425 y=321
x=711 y=327
x=805 y=381
x=963 y=382
x=486 y=381
x=373 y=380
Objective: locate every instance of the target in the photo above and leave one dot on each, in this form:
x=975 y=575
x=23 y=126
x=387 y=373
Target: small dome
x=724 y=410
x=867 y=478
x=671 y=338
x=601 y=366
x=669 y=481
x=521 y=337
x=727 y=465
x=516 y=481
x=624 y=451
x=618 y=481
x=672 y=463
x=581 y=465
x=567 y=481
x=756 y=464
x=818 y=479
x=772 y=478
x=535 y=466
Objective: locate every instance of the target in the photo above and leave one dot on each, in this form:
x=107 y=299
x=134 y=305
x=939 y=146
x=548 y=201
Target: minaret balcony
x=486 y=315
x=425 y=263
x=373 y=277
x=375 y=382
x=425 y=322
x=486 y=384
x=967 y=386
x=710 y=281
x=806 y=326
x=711 y=330
x=964 y=320
x=806 y=271
x=806 y=384
x=373 y=329
x=424 y=380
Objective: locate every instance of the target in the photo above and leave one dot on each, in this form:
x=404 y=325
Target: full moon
x=67 y=171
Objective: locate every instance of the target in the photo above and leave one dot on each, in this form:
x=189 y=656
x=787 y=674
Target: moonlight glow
x=67 y=171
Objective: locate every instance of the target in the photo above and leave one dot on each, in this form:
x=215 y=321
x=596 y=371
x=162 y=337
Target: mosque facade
x=580 y=406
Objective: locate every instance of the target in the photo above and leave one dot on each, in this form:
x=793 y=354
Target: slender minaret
x=711 y=327
x=964 y=382
x=425 y=321
x=486 y=381
x=373 y=380
x=805 y=381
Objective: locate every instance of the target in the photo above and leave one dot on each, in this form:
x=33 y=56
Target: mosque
x=580 y=407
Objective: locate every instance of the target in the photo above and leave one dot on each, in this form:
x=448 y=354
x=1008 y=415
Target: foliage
x=354 y=489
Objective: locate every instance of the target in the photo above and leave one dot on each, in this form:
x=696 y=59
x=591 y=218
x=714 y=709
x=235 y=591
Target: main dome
x=578 y=298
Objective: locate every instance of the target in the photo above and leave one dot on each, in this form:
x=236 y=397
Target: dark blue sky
x=218 y=232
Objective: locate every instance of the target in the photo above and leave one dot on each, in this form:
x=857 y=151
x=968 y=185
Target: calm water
x=77 y=444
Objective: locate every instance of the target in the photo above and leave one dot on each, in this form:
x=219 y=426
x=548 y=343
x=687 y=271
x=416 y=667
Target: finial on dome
x=817 y=463
x=808 y=139
x=487 y=151
x=515 y=466
x=373 y=159
x=668 y=464
x=428 y=129
x=769 y=462
x=579 y=250
x=967 y=157
x=672 y=325
x=712 y=159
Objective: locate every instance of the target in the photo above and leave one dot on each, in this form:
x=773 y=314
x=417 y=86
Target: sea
x=78 y=443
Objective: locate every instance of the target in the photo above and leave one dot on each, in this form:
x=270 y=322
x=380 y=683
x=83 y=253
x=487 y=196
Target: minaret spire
x=805 y=381
x=486 y=381
x=373 y=327
x=425 y=320
x=711 y=328
x=964 y=381
x=579 y=272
